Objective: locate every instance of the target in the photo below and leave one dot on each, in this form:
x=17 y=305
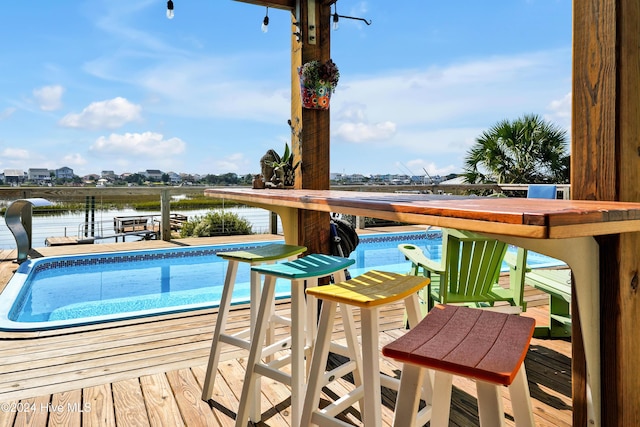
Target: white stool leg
x=441 y=404
x=408 y=398
x=414 y=316
x=221 y=322
x=490 y=404
x=372 y=415
x=353 y=346
x=311 y=321
x=254 y=295
x=255 y=283
x=318 y=361
x=298 y=370
x=412 y=307
x=255 y=354
x=521 y=400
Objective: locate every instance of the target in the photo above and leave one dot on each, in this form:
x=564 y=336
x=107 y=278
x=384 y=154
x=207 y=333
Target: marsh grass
x=141 y=203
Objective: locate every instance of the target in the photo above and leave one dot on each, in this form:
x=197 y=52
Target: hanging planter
x=318 y=81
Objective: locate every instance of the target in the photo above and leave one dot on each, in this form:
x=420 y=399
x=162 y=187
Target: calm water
x=61 y=291
x=70 y=290
x=69 y=224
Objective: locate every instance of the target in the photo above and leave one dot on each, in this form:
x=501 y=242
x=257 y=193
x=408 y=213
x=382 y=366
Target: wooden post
x=273 y=223
x=310 y=139
x=605 y=160
x=165 y=215
x=310 y=128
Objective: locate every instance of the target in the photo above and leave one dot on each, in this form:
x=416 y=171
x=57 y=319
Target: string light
x=265 y=22
x=336 y=17
x=170 y=9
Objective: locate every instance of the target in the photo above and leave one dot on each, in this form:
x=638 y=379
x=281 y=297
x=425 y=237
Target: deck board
x=150 y=372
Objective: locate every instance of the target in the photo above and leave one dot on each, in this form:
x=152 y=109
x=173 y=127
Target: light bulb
x=265 y=24
x=335 y=21
x=170 y=9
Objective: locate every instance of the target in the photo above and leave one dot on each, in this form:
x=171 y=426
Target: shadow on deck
x=151 y=370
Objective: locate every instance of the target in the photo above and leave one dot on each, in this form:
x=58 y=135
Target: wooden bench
x=555 y=282
x=176 y=221
x=127 y=224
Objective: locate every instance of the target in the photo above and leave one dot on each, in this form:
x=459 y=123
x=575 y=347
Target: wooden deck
x=150 y=371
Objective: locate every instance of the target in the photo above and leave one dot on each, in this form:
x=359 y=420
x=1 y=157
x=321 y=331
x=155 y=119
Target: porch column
x=311 y=128
x=605 y=165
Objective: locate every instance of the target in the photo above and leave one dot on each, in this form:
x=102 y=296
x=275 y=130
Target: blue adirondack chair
x=542 y=191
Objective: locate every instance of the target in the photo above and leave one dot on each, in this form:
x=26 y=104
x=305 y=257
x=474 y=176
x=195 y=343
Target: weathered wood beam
x=605 y=157
x=310 y=140
x=310 y=133
x=282 y=4
x=276 y=4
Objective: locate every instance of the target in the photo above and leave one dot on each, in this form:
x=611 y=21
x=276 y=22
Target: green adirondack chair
x=467 y=274
x=554 y=281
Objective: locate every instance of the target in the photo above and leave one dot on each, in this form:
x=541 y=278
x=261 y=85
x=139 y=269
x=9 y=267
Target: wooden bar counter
x=563 y=229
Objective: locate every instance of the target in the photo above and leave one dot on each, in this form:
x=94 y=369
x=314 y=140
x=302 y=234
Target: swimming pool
x=65 y=291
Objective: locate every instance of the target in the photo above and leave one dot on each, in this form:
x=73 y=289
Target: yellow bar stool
x=262 y=362
x=369 y=292
x=483 y=345
x=253 y=256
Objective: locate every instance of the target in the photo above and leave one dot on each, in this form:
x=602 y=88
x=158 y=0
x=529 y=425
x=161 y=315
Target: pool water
x=72 y=290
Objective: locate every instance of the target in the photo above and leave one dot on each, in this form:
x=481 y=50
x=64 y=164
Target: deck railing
x=90 y=202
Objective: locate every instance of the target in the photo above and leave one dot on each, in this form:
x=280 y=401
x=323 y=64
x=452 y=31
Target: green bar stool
x=303 y=321
x=369 y=292
x=483 y=345
x=254 y=256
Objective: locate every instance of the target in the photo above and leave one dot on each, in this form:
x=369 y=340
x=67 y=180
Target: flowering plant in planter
x=318 y=80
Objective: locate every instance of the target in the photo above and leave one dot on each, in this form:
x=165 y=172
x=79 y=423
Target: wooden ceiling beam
x=279 y=4
x=276 y=4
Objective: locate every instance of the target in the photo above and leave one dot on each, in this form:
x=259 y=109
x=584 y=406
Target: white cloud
x=217 y=163
x=560 y=111
x=109 y=114
x=434 y=141
x=74 y=159
x=231 y=163
x=49 y=98
x=365 y=132
x=202 y=89
x=147 y=144
x=15 y=154
x=354 y=126
x=7 y=112
x=206 y=86
x=438 y=112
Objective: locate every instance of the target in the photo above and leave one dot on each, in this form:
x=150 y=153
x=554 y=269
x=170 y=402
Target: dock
x=65 y=240
x=147 y=227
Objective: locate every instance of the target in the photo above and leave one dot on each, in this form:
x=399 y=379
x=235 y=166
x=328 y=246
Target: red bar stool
x=301 y=272
x=369 y=292
x=484 y=345
x=252 y=256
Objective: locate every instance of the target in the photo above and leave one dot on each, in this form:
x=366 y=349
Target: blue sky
x=114 y=85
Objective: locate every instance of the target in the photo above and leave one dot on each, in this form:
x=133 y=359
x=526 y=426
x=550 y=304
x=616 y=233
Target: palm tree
x=527 y=150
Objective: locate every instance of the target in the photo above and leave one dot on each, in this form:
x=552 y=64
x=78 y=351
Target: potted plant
x=278 y=171
x=318 y=80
